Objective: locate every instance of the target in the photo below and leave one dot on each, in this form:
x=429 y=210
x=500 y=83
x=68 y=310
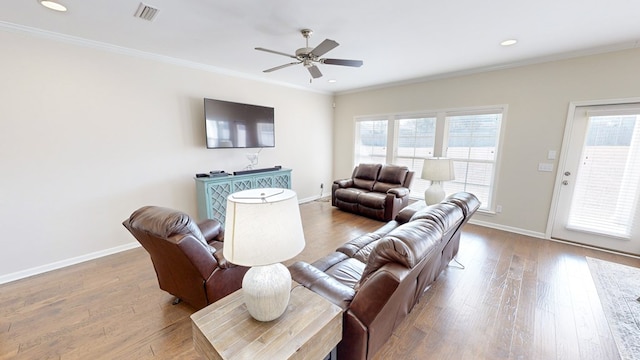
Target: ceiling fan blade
x=314 y=71
x=281 y=66
x=276 y=52
x=324 y=47
x=343 y=62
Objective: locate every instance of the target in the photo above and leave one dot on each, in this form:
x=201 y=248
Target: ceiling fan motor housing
x=303 y=52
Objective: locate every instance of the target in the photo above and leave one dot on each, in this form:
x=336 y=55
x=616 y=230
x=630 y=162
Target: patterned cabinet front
x=212 y=193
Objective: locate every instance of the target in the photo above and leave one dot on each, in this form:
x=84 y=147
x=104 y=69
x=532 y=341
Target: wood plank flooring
x=518 y=298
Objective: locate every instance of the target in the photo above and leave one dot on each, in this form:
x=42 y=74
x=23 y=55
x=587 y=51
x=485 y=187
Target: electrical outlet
x=499 y=208
x=321 y=186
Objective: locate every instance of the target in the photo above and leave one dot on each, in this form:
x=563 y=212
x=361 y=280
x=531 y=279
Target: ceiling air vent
x=146 y=12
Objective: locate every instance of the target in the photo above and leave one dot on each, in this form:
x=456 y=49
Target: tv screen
x=235 y=125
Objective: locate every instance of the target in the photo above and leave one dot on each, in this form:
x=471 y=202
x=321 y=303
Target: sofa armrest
x=399 y=192
x=344 y=183
x=322 y=284
x=211 y=230
x=339 y=184
x=380 y=297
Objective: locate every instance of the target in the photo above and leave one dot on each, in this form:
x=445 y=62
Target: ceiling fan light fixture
x=509 y=42
x=53 y=5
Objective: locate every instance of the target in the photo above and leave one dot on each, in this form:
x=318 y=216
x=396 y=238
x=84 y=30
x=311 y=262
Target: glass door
x=600 y=184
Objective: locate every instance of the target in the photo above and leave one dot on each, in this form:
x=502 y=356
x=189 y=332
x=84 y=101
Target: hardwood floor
x=518 y=298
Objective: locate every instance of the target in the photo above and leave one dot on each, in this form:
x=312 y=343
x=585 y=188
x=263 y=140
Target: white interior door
x=598 y=196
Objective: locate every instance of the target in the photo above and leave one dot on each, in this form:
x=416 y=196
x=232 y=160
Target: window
x=416 y=141
x=371 y=141
x=469 y=137
x=472 y=143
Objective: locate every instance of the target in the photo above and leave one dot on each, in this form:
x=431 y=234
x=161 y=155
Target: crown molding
x=510 y=65
x=78 y=41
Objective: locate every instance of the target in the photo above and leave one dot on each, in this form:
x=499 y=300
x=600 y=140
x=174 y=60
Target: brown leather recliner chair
x=186 y=256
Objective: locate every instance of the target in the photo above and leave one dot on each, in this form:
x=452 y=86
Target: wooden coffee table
x=310 y=328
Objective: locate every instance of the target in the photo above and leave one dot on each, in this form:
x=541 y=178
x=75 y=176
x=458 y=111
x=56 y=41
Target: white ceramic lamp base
x=266 y=291
x=434 y=193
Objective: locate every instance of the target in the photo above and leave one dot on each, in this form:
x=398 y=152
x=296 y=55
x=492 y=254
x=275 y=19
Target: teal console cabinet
x=212 y=192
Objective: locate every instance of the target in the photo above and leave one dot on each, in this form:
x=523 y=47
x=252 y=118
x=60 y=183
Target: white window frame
x=440 y=139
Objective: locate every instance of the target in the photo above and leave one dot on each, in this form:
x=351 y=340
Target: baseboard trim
x=19 y=275
x=308 y=199
x=511 y=229
x=544 y=237
x=23 y=274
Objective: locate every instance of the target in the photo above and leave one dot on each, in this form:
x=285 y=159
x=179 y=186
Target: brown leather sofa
x=186 y=256
x=377 y=278
x=374 y=190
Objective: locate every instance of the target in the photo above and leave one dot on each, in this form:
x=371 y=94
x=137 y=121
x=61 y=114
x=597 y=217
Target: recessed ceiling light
x=509 y=42
x=52 y=5
x=332 y=81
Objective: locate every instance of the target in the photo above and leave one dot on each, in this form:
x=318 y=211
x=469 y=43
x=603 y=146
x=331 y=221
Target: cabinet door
x=282 y=181
x=243 y=184
x=217 y=194
x=265 y=181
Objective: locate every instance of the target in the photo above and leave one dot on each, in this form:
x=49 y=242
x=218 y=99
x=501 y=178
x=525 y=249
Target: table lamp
x=263 y=228
x=436 y=170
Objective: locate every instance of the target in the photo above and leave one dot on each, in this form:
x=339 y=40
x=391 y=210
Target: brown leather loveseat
x=377 y=278
x=374 y=190
x=186 y=256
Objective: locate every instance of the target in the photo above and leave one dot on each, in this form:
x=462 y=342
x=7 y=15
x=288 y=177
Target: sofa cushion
x=360 y=247
x=466 y=201
x=365 y=175
x=407 y=245
x=390 y=176
x=347 y=272
x=445 y=215
x=330 y=260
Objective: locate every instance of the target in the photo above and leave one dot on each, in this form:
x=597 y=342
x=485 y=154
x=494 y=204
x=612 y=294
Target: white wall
x=88 y=135
x=537 y=96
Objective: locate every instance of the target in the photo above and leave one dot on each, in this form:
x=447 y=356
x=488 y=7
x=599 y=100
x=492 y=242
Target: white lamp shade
x=263 y=227
x=438 y=169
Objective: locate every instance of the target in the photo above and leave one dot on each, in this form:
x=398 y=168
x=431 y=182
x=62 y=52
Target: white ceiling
x=397 y=40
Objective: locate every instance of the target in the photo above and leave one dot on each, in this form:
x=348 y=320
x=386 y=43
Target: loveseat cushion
x=373 y=200
x=407 y=245
x=349 y=195
x=365 y=175
x=390 y=176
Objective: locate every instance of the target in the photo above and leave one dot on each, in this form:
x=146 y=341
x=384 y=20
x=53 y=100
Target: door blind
x=606 y=190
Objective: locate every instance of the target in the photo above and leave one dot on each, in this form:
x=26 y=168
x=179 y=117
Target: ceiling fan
x=310 y=56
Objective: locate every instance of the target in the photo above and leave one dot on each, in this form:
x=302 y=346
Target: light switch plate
x=545 y=167
x=551 y=155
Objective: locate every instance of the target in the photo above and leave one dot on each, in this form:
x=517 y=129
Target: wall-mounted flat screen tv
x=235 y=125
